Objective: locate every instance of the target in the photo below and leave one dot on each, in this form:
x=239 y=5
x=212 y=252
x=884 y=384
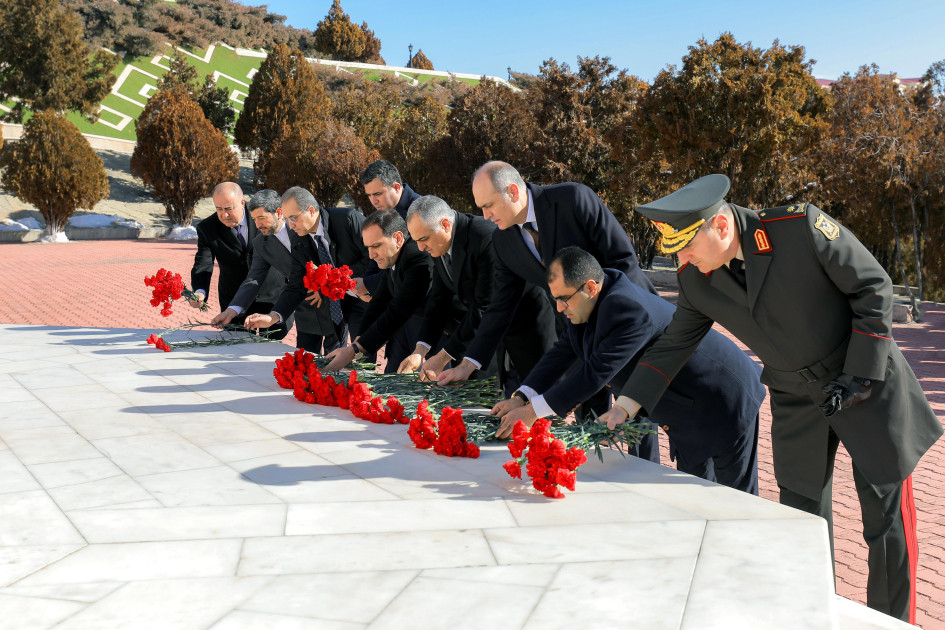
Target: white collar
x=530 y=214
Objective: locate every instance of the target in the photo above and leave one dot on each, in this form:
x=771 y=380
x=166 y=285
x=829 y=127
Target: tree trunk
x=917 y=248
x=916 y=312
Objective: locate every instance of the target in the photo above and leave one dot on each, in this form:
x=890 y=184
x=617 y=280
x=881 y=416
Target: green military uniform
x=815 y=305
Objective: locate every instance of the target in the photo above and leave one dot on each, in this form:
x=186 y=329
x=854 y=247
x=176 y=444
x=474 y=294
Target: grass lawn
x=235 y=71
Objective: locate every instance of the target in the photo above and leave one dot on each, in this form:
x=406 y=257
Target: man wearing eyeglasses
x=227 y=237
x=710 y=412
x=321 y=236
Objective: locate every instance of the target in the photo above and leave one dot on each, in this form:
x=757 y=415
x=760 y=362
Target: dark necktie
x=447 y=264
x=239 y=237
x=532 y=228
x=325 y=257
x=737 y=267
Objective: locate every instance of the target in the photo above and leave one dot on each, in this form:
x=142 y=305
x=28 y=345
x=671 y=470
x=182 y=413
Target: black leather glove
x=844 y=392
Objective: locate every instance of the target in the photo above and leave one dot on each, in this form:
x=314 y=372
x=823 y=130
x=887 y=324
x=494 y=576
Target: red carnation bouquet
x=168 y=287
x=547 y=460
x=159 y=343
x=446 y=437
x=332 y=282
x=299 y=373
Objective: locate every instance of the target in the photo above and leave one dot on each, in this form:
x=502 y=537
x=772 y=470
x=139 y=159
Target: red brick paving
x=100 y=284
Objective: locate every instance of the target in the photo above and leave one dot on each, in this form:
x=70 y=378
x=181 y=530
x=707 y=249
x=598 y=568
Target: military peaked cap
x=679 y=215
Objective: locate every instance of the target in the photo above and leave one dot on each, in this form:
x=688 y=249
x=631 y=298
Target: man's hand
x=314 y=298
x=525 y=413
x=844 y=392
x=411 y=364
x=461 y=372
x=225 y=317
x=340 y=358
x=434 y=366
x=361 y=290
x=260 y=320
x=625 y=408
x=614 y=417
x=195 y=303
x=505 y=406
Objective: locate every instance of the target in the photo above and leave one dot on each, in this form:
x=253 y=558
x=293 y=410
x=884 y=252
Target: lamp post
x=410 y=58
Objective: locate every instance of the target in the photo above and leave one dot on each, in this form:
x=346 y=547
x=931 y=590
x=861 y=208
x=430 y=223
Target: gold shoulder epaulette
x=783 y=212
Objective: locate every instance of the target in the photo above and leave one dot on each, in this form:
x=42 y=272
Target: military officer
x=808 y=298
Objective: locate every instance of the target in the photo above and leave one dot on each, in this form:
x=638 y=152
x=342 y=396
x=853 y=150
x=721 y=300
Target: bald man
x=227 y=237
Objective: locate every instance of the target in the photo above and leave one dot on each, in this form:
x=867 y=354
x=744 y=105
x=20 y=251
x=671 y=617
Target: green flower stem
x=251 y=336
x=481 y=427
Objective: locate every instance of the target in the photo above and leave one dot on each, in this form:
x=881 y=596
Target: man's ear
x=399 y=239
x=721 y=223
x=592 y=288
x=513 y=192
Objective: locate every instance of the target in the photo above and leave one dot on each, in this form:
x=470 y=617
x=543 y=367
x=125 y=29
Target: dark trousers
x=531 y=333
x=735 y=467
x=648 y=447
x=889 y=529
x=401 y=344
x=322 y=344
x=354 y=310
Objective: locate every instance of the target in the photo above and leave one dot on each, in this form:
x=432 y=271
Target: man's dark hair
x=268 y=199
x=382 y=170
x=302 y=198
x=389 y=221
x=577 y=267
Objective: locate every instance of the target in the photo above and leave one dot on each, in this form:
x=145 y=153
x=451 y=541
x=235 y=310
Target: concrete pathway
x=100 y=284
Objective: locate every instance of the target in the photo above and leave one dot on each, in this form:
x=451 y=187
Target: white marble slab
x=337 y=597
x=186 y=490
x=142 y=561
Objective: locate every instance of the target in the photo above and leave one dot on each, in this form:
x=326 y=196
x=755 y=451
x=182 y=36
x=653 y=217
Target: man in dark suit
x=463 y=261
x=321 y=236
x=395 y=311
x=534 y=222
x=815 y=306
x=386 y=190
x=271 y=250
x=227 y=237
x=710 y=412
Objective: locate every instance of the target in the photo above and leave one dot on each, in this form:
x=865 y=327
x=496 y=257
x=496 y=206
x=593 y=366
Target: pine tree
x=179 y=154
x=54 y=168
x=285 y=95
x=420 y=61
x=337 y=37
x=45 y=64
x=328 y=163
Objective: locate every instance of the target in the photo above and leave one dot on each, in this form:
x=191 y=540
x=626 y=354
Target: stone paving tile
x=100 y=284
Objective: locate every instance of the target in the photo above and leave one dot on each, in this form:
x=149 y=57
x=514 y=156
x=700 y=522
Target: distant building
x=905 y=85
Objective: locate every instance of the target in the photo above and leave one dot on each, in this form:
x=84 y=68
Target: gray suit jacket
x=270 y=254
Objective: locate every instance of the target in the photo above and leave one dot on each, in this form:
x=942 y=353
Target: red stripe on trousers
x=907 y=506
